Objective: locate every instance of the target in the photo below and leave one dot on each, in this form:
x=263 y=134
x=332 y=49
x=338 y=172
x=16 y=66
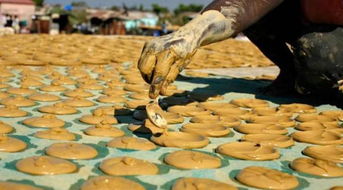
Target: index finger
x=146 y=66
x=164 y=61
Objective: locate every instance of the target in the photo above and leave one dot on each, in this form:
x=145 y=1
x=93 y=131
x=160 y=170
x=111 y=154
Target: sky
x=171 y=4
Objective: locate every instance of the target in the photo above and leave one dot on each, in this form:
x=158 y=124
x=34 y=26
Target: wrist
x=211 y=26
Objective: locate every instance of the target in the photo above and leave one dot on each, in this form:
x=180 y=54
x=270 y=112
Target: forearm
x=243 y=13
x=206 y=28
x=220 y=20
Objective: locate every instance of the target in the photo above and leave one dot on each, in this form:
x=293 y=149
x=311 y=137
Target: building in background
x=16 y=13
x=106 y=22
x=135 y=19
x=109 y=22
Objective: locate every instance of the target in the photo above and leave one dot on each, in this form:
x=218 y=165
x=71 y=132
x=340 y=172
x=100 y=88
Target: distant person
x=9 y=21
x=303 y=37
x=164 y=28
x=15 y=24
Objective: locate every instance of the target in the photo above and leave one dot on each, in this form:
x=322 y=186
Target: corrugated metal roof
x=25 y=2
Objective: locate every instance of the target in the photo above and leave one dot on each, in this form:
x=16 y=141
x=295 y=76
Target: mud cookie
x=115 y=84
x=188 y=111
x=110 y=183
x=331 y=153
x=147 y=127
x=320 y=137
x=131 y=143
x=265 y=178
x=3 y=85
x=98 y=117
x=23 y=90
x=305 y=117
x=56 y=134
x=279 y=120
x=180 y=140
x=78 y=92
x=227 y=121
x=5 y=128
x=140 y=96
x=335 y=114
x=31 y=82
x=44 y=97
x=275 y=140
x=136 y=87
x=254 y=128
x=45 y=121
x=107 y=77
x=111 y=99
x=132 y=79
x=205 y=129
x=64 y=80
x=18 y=101
x=123 y=166
x=173 y=118
x=12 y=111
x=45 y=165
x=201 y=183
x=317 y=167
x=87 y=79
x=4 y=95
x=10 y=144
x=236 y=112
x=6 y=73
x=71 y=151
x=58 y=109
x=116 y=110
x=16 y=186
x=192 y=160
x=296 y=108
x=78 y=102
x=316 y=125
x=249 y=103
x=90 y=85
x=104 y=130
x=114 y=91
x=136 y=104
x=248 y=151
x=53 y=87
x=155 y=115
x=265 y=111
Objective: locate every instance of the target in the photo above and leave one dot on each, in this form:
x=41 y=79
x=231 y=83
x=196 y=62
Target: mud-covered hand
x=165 y=57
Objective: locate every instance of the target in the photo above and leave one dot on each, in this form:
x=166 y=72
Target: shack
x=16 y=11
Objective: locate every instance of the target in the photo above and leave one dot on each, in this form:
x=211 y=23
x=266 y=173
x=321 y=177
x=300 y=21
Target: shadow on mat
x=220 y=86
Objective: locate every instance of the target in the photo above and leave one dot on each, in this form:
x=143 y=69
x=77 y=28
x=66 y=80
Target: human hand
x=163 y=59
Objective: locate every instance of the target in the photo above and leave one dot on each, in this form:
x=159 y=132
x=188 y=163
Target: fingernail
x=152 y=95
x=158 y=80
x=153 y=92
x=152 y=88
